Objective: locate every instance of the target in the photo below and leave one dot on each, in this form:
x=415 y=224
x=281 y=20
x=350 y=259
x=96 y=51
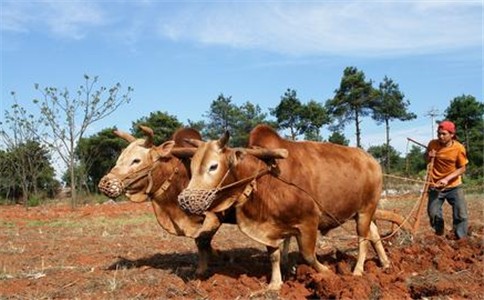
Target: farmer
x=449 y=163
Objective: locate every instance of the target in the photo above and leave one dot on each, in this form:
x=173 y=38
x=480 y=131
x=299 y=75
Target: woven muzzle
x=196 y=201
x=111 y=187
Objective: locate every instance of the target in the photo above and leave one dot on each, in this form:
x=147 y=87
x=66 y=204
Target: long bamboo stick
x=414 y=141
x=423 y=196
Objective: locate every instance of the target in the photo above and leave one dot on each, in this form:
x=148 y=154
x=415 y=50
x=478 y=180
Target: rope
x=407 y=178
x=259 y=174
x=146 y=171
x=262 y=172
x=340 y=224
x=198 y=201
x=164 y=186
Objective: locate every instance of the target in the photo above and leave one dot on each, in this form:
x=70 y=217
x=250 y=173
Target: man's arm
x=444 y=181
x=428 y=155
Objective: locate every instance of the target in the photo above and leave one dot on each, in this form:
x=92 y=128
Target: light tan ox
x=318 y=186
x=145 y=172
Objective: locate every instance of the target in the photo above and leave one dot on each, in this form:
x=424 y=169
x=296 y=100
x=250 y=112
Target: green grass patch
x=94 y=222
x=7 y=224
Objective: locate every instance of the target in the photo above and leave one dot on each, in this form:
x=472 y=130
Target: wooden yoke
x=182 y=152
x=264 y=153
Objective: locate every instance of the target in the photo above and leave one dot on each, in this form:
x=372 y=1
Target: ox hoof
x=201 y=271
x=274 y=286
x=215 y=253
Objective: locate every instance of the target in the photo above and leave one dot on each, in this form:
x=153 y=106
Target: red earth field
x=117 y=250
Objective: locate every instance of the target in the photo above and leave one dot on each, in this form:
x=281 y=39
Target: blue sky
x=180 y=55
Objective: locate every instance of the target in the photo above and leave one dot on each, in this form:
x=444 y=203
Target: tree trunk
x=467 y=140
x=293 y=134
x=25 y=193
x=387 y=148
x=25 y=187
x=357 y=121
x=73 y=184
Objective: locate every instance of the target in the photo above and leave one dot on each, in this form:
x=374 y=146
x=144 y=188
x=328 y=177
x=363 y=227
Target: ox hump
x=264 y=136
x=185 y=133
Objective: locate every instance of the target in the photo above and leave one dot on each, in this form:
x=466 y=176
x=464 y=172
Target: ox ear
x=265 y=154
x=194 y=142
x=124 y=135
x=164 y=149
x=149 y=136
x=237 y=156
x=223 y=139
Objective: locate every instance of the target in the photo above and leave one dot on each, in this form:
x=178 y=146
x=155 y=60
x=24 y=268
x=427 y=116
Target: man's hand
x=432 y=153
x=442 y=183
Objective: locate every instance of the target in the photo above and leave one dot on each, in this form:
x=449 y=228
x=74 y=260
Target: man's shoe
x=439 y=231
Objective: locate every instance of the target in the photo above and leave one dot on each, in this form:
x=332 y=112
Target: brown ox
x=318 y=186
x=146 y=172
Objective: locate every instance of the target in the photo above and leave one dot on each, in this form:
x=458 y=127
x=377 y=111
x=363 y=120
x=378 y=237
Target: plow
x=411 y=222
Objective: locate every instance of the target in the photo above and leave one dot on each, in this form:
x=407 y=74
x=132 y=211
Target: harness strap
x=141 y=173
x=251 y=186
x=164 y=186
x=246 y=193
x=259 y=173
x=146 y=171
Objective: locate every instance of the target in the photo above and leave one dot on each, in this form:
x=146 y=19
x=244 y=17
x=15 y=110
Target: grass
x=128 y=256
x=10 y=248
x=94 y=222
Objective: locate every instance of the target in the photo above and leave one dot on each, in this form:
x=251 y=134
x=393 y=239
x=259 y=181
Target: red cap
x=447 y=125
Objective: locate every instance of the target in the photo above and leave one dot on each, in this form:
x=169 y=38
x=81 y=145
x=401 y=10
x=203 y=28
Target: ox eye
x=136 y=161
x=213 y=167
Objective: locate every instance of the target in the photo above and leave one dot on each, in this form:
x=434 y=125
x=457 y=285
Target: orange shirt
x=447 y=160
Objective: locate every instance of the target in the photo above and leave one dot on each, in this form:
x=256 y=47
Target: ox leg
x=276 y=277
x=203 y=240
x=363 y=228
x=285 y=250
x=210 y=225
x=307 y=246
x=204 y=251
x=362 y=250
x=378 y=245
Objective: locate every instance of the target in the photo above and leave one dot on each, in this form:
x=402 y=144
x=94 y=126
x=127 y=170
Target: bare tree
x=25 y=157
x=65 y=117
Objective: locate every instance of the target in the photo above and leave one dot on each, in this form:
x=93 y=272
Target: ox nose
x=196 y=201
x=112 y=187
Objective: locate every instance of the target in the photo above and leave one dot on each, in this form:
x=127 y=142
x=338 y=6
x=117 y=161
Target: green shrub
x=34 y=201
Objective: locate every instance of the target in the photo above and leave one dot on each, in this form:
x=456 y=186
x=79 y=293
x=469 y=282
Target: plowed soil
x=117 y=250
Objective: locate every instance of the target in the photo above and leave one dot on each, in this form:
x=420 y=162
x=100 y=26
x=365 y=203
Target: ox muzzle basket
x=197 y=201
x=111 y=186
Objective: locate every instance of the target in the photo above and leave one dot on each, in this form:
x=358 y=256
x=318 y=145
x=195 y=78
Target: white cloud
x=72 y=19
x=357 y=28
x=13 y=17
x=65 y=19
x=349 y=27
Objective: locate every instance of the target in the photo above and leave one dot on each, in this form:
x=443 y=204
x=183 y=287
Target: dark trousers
x=455 y=197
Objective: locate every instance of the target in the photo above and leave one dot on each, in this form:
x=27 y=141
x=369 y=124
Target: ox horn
x=263 y=153
x=224 y=139
x=149 y=136
x=183 y=152
x=125 y=136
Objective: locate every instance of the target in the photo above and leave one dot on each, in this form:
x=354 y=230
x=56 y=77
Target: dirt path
x=118 y=251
